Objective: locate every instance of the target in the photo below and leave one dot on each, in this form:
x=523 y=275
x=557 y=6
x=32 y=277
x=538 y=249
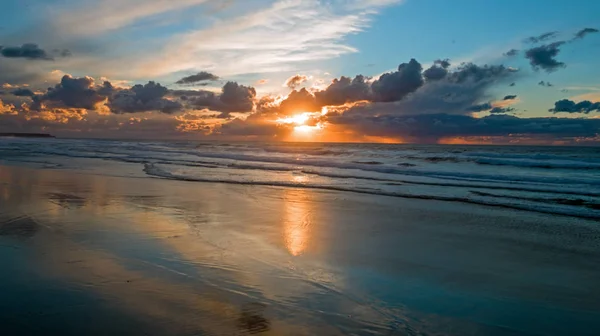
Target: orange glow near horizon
x=300 y=123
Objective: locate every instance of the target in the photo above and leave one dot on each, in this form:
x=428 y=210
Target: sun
x=300 y=122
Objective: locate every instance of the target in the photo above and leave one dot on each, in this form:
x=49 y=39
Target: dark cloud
x=541 y=38
x=237 y=98
x=500 y=110
x=28 y=51
x=543 y=57
x=480 y=107
x=432 y=127
x=456 y=93
x=437 y=71
x=344 y=90
x=444 y=63
x=71 y=92
x=295 y=81
x=510 y=97
x=233 y=98
x=396 y=85
x=23 y=92
x=569 y=106
x=141 y=98
x=585 y=31
x=197 y=78
x=511 y=53
x=543 y=83
x=469 y=72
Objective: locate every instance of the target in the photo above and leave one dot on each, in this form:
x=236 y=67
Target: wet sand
x=86 y=254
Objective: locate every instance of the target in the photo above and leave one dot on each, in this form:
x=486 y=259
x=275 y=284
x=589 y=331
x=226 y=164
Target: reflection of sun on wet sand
x=297 y=220
x=183 y=258
x=135 y=252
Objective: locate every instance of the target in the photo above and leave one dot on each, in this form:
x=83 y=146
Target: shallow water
x=96 y=254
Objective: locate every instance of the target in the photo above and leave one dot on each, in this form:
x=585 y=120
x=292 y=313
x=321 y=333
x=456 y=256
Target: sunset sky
x=425 y=71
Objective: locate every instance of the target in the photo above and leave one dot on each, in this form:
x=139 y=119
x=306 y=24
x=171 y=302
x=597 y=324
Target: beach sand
x=85 y=254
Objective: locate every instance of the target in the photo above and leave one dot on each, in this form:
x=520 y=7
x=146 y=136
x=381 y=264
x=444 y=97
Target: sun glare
x=300 y=122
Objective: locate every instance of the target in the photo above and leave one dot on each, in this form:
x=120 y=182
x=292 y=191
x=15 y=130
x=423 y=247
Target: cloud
x=543 y=83
x=585 y=31
x=23 y=92
x=438 y=70
x=233 y=98
x=93 y=18
x=254 y=126
x=199 y=77
x=396 y=85
x=500 y=110
x=7 y=109
x=405 y=90
x=569 y=106
x=543 y=57
x=28 y=51
x=141 y=98
x=511 y=53
x=295 y=81
x=83 y=93
x=344 y=90
x=457 y=93
x=72 y=92
x=510 y=97
x=433 y=127
x=541 y=38
x=237 y=98
x=298 y=32
x=480 y=107
x=299 y=101
x=512 y=84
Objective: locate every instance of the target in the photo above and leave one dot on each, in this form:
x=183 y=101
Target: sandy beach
x=91 y=254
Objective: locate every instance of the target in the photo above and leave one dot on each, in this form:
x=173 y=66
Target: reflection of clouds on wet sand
x=20 y=226
x=177 y=259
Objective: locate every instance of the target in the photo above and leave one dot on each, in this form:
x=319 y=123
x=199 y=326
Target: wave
x=383 y=172
x=152 y=170
x=368 y=162
x=554 y=164
x=455 y=170
x=534 y=156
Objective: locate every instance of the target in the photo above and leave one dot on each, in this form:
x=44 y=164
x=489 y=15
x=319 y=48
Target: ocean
x=552 y=180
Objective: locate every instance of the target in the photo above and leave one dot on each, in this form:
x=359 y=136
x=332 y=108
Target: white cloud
x=272 y=39
x=97 y=17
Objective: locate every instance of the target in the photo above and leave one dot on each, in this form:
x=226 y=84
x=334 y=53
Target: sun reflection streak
x=297 y=221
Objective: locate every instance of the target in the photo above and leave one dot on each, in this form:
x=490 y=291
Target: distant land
x=27 y=135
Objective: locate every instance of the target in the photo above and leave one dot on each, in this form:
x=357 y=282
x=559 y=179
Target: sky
x=398 y=71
